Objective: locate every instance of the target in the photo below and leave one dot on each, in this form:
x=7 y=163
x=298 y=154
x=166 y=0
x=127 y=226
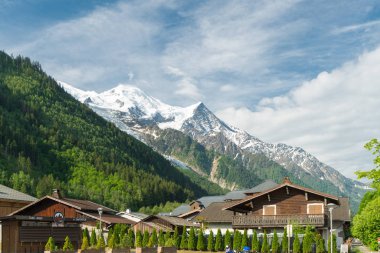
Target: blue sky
x=251 y=62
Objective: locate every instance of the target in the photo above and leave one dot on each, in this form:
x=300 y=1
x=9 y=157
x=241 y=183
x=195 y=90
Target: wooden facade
x=8 y=206
x=282 y=205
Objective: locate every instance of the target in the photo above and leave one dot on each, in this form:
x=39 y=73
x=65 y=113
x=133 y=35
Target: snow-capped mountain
x=135 y=112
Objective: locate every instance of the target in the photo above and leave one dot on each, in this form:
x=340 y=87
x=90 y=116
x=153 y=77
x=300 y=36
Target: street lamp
x=331 y=206
x=100 y=211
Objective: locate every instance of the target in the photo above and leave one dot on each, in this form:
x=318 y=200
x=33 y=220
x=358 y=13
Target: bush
x=210 y=241
x=275 y=245
x=265 y=246
x=191 y=242
x=93 y=240
x=101 y=244
x=218 y=241
x=244 y=240
x=138 y=239
x=68 y=245
x=284 y=242
x=85 y=244
x=296 y=244
x=184 y=243
x=201 y=241
x=50 y=245
x=145 y=239
x=334 y=244
x=255 y=241
x=227 y=239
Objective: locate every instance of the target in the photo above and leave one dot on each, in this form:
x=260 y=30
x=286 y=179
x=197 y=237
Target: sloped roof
x=12 y=194
x=266 y=185
x=233 y=195
x=175 y=221
x=180 y=210
x=207 y=200
x=190 y=213
x=215 y=213
x=286 y=183
x=108 y=218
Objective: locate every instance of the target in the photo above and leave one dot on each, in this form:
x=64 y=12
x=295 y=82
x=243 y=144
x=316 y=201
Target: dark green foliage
x=237 y=240
x=210 y=241
x=255 y=241
x=111 y=241
x=320 y=243
x=201 y=240
x=50 y=140
x=161 y=208
x=191 y=245
x=145 y=239
x=307 y=242
x=139 y=239
x=218 y=241
x=296 y=244
x=265 y=245
x=244 y=240
x=335 y=250
x=184 y=241
x=50 y=244
x=161 y=238
x=176 y=238
x=275 y=244
x=284 y=241
x=93 y=240
x=85 y=233
x=227 y=239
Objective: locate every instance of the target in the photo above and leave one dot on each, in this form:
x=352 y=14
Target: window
x=315 y=208
x=269 y=210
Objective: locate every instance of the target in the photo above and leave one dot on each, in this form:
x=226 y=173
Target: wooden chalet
x=27 y=229
x=162 y=222
x=287 y=204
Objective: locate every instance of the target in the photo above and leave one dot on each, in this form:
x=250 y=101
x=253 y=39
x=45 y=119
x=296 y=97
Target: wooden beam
x=287 y=190
x=306 y=197
x=269 y=197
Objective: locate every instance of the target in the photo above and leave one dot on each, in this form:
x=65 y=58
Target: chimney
x=287 y=180
x=56 y=194
x=128 y=211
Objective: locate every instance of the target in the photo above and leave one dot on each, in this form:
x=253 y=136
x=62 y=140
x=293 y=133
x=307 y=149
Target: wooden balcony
x=247 y=221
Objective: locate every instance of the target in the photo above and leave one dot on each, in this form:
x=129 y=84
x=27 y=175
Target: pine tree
x=210 y=241
x=86 y=234
x=176 y=238
x=124 y=241
x=334 y=244
x=138 y=239
x=296 y=244
x=284 y=242
x=101 y=244
x=93 y=240
x=131 y=238
x=201 y=241
x=227 y=239
x=191 y=245
x=85 y=243
x=275 y=245
x=255 y=242
x=244 y=240
x=265 y=246
x=161 y=238
x=237 y=240
x=145 y=239
x=184 y=243
x=218 y=241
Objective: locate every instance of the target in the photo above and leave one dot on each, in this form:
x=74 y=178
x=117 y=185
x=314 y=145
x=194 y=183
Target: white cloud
x=356 y=27
x=331 y=116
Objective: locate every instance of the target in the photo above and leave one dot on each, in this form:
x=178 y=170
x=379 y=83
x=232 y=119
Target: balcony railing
x=317 y=220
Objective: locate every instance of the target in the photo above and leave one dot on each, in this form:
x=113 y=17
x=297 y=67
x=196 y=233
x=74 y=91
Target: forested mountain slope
x=50 y=140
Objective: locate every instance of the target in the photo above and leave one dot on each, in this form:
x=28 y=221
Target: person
x=228 y=250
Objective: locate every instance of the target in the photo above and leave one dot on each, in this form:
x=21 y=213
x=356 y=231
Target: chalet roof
x=342 y=212
x=215 y=213
x=286 y=183
x=180 y=210
x=175 y=221
x=266 y=185
x=240 y=194
x=190 y=213
x=207 y=200
x=12 y=194
x=108 y=218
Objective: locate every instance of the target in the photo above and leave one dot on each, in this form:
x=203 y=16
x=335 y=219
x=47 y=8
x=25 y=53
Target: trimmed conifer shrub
x=93 y=240
x=275 y=245
x=145 y=239
x=320 y=243
x=227 y=239
x=50 y=244
x=161 y=238
x=67 y=244
x=201 y=241
x=307 y=242
x=176 y=238
x=244 y=240
x=131 y=238
x=139 y=239
x=184 y=242
x=237 y=240
x=218 y=241
x=85 y=243
x=191 y=245
x=101 y=244
x=334 y=244
x=210 y=241
x=255 y=241
x=296 y=244
x=153 y=240
x=111 y=241
x=284 y=242
x=265 y=245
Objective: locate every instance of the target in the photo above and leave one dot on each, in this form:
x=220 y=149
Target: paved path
x=365 y=249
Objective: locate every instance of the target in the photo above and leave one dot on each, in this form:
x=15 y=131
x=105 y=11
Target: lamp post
x=100 y=211
x=331 y=206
